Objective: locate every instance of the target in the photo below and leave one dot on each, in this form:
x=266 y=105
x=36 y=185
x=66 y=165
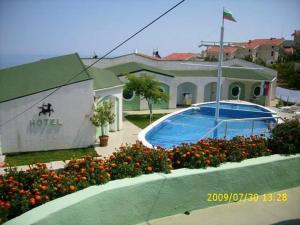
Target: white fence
x=288 y=95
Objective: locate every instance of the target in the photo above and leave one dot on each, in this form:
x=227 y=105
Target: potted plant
x=103 y=116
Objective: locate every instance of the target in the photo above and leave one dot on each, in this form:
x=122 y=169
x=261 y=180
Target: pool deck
x=128 y=134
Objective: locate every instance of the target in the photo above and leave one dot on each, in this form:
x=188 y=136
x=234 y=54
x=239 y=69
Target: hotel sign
x=45 y=109
x=45 y=122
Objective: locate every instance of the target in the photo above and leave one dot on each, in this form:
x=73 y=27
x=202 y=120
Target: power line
x=86 y=68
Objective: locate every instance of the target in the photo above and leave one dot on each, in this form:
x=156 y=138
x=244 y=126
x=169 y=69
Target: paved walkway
x=128 y=135
x=155 y=111
x=242 y=213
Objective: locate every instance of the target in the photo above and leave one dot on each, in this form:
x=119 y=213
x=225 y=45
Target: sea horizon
x=11 y=60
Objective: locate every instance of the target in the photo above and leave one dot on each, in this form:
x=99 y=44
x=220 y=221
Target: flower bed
x=21 y=191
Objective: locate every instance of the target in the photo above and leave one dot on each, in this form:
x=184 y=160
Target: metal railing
x=214 y=129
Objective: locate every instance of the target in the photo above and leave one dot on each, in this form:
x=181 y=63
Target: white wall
x=72 y=106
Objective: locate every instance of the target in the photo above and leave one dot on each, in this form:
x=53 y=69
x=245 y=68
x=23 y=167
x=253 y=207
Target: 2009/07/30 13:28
x=251 y=197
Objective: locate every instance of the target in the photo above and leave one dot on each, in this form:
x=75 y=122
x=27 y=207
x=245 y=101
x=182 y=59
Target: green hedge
x=285 y=138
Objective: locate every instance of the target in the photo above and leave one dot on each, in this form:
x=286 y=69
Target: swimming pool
x=194 y=123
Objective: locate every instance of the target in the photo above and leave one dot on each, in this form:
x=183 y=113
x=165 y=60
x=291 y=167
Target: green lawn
x=47 y=156
x=142 y=121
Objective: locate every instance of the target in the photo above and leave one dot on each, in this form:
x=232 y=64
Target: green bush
x=21 y=191
x=213 y=152
x=285 y=138
x=131 y=161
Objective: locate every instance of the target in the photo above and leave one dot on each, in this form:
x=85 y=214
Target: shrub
x=21 y=191
x=285 y=138
x=131 y=161
x=213 y=152
x=198 y=155
x=240 y=148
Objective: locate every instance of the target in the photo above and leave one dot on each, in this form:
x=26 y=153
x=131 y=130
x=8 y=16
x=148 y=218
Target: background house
x=296 y=35
x=192 y=82
x=212 y=53
x=183 y=57
x=263 y=51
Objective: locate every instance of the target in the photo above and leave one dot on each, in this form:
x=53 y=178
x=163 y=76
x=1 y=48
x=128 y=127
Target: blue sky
x=55 y=27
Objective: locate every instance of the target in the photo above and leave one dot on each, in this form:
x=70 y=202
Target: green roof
x=238 y=72
x=132 y=67
x=103 y=78
x=28 y=79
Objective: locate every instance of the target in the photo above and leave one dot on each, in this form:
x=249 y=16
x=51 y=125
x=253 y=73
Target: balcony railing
x=218 y=129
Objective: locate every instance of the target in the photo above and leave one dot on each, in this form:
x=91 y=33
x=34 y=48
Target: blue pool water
x=191 y=125
x=238 y=107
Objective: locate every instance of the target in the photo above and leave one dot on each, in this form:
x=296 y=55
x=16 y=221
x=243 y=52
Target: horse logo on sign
x=46 y=109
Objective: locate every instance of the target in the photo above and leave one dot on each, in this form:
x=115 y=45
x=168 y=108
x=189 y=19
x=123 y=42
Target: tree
x=147 y=88
x=103 y=115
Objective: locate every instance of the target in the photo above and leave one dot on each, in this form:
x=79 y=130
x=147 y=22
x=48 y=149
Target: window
x=235 y=91
x=272 y=53
x=249 y=50
x=256 y=91
x=128 y=95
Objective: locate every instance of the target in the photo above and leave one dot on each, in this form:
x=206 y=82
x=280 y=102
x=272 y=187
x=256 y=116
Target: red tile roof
x=257 y=42
x=227 y=49
x=296 y=33
x=180 y=56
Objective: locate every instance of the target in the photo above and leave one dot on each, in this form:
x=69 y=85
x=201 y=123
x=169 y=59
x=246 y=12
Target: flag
x=228 y=15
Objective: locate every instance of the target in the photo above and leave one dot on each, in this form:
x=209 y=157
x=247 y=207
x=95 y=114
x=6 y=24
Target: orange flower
x=37 y=197
x=32 y=201
x=7 y=205
x=149 y=168
x=207 y=162
x=45 y=188
x=93 y=163
x=72 y=187
x=101 y=168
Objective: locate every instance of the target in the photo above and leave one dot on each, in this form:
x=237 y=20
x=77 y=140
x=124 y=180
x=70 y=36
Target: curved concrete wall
x=134 y=200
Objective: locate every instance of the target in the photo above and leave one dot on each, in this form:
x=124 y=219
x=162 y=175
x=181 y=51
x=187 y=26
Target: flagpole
x=218 y=96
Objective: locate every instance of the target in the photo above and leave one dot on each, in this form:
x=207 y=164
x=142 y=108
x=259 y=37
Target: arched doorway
x=115 y=109
x=186 y=94
x=210 y=91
